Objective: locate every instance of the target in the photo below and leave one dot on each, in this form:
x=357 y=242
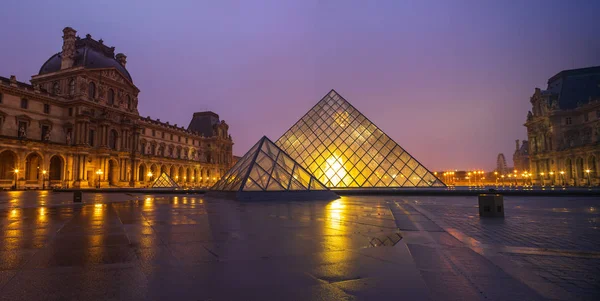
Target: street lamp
x=542 y=178
x=502 y=177
x=562 y=175
x=44 y=179
x=552 y=176
x=98 y=175
x=16 y=177
x=587 y=171
x=149 y=174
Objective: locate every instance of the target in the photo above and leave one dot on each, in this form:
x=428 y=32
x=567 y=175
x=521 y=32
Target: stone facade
x=563 y=129
x=521 y=156
x=77 y=125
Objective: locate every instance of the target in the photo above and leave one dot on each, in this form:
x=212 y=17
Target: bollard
x=491 y=205
x=77 y=196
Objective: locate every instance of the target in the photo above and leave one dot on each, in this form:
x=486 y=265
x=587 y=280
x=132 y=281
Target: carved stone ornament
x=112 y=74
x=101 y=91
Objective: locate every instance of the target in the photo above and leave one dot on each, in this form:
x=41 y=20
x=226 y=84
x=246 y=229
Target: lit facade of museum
x=77 y=125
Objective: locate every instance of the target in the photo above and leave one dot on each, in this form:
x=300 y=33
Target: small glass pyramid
x=164 y=181
x=265 y=167
x=344 y=149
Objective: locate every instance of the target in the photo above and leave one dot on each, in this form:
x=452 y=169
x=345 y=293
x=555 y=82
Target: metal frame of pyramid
x=266 y=172
x=164 y=181
x=344 y=149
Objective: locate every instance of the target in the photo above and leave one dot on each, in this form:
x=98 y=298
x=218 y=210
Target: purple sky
x=450 y=81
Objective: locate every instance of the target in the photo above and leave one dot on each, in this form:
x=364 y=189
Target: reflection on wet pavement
x=169 y=247
x=144 y=247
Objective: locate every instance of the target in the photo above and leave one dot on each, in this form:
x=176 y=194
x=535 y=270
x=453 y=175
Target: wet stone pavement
x=178 y=247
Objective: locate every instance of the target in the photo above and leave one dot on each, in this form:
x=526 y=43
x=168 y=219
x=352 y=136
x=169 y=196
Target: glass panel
x=251 y=186
x=274 y=185
x=281 y=176
x=265 y=162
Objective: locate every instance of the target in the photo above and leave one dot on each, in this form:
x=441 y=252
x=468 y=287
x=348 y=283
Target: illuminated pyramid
x=164 y=181
x=344 y=149
x=265 y=172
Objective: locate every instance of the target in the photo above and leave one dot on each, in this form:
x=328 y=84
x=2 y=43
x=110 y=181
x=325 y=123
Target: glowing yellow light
x=334 y=170
x=16 y=170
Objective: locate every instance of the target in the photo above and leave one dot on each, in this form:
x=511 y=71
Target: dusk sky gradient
x=450 y=81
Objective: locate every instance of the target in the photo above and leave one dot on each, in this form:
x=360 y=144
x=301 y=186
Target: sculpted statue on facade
x=47 y=137
x=22 y=132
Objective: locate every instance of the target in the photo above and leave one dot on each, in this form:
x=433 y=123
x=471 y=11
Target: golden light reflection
x=98 y=210
x=334 y=231
x=147 y=202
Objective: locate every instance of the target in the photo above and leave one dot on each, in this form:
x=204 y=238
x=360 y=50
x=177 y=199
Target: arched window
x=111 y=97
x=92 y=91
x=128 y=102
x=112 y=139
x=72 y=87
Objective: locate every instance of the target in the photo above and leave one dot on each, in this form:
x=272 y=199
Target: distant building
x=563 y=128
x=521 y=156
x=501 y=164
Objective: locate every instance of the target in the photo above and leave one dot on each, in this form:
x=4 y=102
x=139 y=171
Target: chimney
x=517 y=141
x=68 y=49
x=122 y=59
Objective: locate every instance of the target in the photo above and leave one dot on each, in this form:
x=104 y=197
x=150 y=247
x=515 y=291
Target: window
x=568 y=120
x=128 y=102
x=92 y=91
x=72 y=87
x=153 y=133
x=585 y=117
x=163 y=135
x=111 y=97
x=91 y=137
x=143 y=149
x=46 y=108
x=24 y=103
x=186 y=140
x=171 y=137
x=70 y=111
x=1 y=97
x=45 y=131
x=179 y=138
x=22 y=130
x=143 y=131
x=112 y=139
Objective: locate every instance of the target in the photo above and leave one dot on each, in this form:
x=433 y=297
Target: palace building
x=563 y=129
x=77 y=125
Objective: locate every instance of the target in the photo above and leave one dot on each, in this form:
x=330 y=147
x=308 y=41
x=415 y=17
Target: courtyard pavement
x=127 y=246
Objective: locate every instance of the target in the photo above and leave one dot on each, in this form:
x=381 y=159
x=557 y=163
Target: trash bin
x=77 y=196
x=491 y=205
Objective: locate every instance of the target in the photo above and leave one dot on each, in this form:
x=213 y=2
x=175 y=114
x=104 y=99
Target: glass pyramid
x=164 y=181
x=265 y=167
x=344 y=149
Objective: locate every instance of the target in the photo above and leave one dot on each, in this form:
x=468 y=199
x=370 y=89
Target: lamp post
x=496 y=174
x=149 y=174
x=16 y=178
x=562 y=175
x=502 y=177
x=98 y=175
x=587 y=171
x=44 y=179
x=552 y=177
x=542 y=179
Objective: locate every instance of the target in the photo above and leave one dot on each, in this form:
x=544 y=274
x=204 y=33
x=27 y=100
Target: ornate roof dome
x=91 y=54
